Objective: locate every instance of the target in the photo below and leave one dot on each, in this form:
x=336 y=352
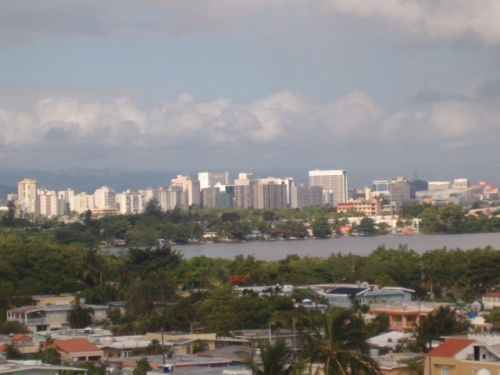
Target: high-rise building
x=271 y=195
x=191 y=187
x=245 y=191
x=27 y=196
x=49 y=204
x=105 y=198
x=306 y=196
x=209 y=179
x=334 y=181
x=67 y=196
x=129 y=202
x=287 y=181
x=83 y=202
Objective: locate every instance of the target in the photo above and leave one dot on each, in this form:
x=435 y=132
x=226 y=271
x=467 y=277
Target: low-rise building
x=50 y=317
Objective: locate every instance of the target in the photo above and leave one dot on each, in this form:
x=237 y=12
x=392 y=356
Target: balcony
x=35 y=322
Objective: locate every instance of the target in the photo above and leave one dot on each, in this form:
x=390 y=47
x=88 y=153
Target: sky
x=378 y=88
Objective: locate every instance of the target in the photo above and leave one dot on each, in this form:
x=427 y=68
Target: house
x=186 y=344
x=341 y=295
x=33 y=367
x=404 y=316
x=63 y=299
x=389 y=340
x=457 y=356
x=491 y=300
x=50 y=317
x=121 y=346
x=388 y=295
x=80 y=349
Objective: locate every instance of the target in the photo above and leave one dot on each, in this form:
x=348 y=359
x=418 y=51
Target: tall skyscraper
x=334 y=181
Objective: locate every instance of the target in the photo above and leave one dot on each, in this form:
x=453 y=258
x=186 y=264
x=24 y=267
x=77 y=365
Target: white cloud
x=281 y=120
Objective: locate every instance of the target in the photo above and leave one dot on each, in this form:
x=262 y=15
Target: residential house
x=79 y=349
x=491 y=300
x=33 y=367
x=457 y=356
x=186 y=343
x=405 y=316
x=341 y=295
x=50 y=317
x=388 y=295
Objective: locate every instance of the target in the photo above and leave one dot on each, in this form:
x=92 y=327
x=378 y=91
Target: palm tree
x=275 y=359
x=343 y=347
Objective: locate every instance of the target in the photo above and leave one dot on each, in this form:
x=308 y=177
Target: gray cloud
x=417 y=21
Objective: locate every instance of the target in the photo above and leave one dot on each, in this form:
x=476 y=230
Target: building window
x=188 y=349
x=445 y=370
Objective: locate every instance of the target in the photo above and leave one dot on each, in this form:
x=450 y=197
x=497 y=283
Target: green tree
x=12 y=352
x=320 y=228
x=275 y=359
x=367 y=225
x=343 y=348
x=142 y=367
x=79 y=316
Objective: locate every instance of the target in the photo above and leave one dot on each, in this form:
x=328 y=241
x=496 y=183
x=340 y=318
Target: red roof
x=21 y=336
x=2 y=348
x=492 y=294
x=75 y=346
x=450 y=348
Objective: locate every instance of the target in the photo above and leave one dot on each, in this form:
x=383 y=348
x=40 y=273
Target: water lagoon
x=276 y=250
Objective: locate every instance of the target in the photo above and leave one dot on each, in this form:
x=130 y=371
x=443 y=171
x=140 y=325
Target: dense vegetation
x=148 y=280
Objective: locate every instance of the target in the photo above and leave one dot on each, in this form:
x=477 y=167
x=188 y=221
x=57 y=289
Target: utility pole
x=163 y=346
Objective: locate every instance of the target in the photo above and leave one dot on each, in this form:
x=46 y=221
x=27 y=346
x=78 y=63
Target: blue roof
x=347 y=291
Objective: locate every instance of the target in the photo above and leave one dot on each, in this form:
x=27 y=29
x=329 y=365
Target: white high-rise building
x=27 y=196
x=105 y=198
x=209 y=179
x=83 y=202
x=334 y=181
x=129 y=202
x=49 y=204
x=67 y=196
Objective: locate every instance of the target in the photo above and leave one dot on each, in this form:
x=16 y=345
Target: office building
x=245 y=191
x=306 y=196
x=333 y=181
x=271 y=195
x=288 y=182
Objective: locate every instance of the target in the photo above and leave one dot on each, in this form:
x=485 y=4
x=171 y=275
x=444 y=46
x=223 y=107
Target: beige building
x=245 y=191
x=105 y=197
x=27 y=196
x=191 y=187
x=370 y=207
x=83 y=202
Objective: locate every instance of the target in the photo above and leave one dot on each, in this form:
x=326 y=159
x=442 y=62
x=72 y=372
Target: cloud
x=418 y=21
x=283 y=128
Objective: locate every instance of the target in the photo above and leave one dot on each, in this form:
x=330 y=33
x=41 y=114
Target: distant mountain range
x=81 y=179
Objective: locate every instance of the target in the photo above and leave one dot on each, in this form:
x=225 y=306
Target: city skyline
x=275 y=87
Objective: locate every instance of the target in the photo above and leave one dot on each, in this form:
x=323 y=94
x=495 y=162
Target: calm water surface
x=276 y=250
